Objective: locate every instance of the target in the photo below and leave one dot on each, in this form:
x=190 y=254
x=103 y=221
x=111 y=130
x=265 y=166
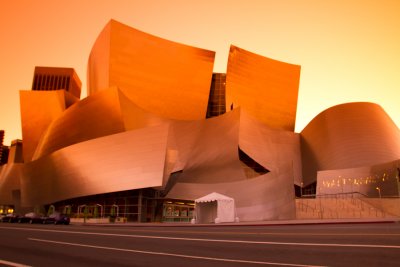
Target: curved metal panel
x=265 y=88
x=207 y=150
x=123 y=161
x=99 y=62
x=163 y=77
x=267 y=197
x=101 y=114
x=38 y=110
x=210 y=163
x=348 y=136
x=381 y=180
x=95 y=116
x=270 y=147
x=135 y=117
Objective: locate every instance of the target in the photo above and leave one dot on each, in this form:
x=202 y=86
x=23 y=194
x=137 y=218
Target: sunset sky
x=349 y=50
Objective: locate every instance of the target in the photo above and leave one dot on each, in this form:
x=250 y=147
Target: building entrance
x=177 y=211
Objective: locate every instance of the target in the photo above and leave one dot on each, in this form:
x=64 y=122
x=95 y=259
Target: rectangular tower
x=216 y=100
x=15 y=152
x=51 y=78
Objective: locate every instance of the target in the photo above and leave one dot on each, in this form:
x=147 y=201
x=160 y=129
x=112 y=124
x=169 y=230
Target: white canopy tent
x=215 y=208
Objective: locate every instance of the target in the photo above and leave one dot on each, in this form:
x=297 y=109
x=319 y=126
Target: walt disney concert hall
x=159 y=130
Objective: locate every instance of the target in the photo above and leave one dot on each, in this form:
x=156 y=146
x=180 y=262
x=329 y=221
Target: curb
x=252 y=224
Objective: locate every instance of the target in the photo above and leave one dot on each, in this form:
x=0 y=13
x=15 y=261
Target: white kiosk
x=215 y=208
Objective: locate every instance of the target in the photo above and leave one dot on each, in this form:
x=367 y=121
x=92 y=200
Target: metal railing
x=345 y=205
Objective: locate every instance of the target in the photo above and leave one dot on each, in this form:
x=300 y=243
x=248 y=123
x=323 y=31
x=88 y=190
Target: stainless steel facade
x=163 y=77
x=144 y=126
x=346 y=136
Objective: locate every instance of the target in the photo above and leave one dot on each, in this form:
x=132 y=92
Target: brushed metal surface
x=144 y=119
x=38 y=110
x=208 y=149
x=267 y=197
x=92 y=117
x=348 y=136
x=164 y=77
x=10 y=176
x=270 y=147
x=129 y=160
x=106 y=112
x=380 y=180
x=265 y=88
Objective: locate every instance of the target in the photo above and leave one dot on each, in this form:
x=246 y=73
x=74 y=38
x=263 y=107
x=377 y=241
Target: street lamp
x=379 y=191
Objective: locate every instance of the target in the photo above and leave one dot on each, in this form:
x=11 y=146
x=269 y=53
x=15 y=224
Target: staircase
x=347 y=207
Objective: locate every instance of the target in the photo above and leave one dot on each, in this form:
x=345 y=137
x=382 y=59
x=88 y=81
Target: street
x=286 y=245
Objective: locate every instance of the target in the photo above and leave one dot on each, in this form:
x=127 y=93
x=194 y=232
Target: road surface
x=286 y=245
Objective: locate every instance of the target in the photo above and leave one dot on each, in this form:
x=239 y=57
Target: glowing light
x=379 y=191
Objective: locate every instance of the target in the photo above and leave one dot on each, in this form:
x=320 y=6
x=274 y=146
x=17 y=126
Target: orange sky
x=349 y=50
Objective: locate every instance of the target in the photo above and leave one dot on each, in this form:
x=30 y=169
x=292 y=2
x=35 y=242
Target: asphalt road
x=295 y=245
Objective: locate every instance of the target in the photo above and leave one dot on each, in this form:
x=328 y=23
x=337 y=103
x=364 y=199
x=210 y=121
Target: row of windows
x=218 y=99
x=216 y=102
x=214 y=93
x=217 y=106
x=50 y=82
x=219 y=78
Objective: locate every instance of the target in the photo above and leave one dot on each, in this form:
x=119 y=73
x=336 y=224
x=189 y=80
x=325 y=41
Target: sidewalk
x=256 y=223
